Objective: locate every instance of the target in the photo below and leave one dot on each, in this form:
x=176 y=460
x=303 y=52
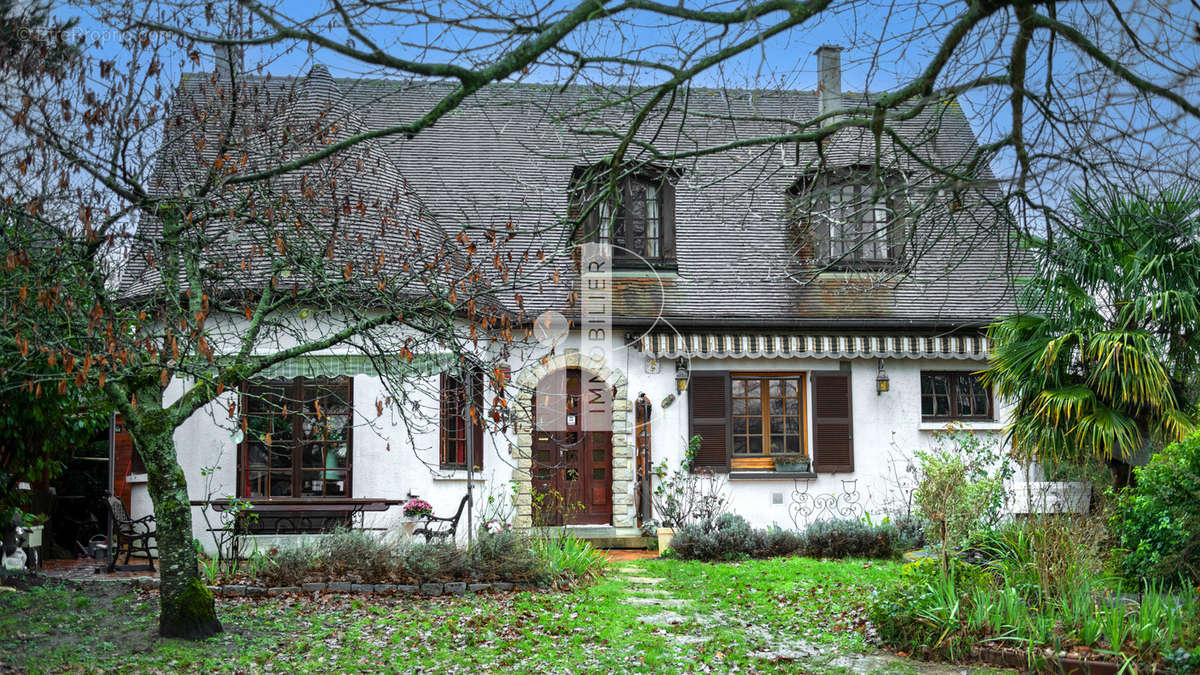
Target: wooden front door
x=572 y=468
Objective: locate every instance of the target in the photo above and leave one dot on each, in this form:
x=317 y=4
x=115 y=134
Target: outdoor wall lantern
x=681 y=373
x=882 y=383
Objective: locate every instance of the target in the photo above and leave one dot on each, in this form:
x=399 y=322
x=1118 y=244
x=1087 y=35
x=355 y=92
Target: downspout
x=470 y=429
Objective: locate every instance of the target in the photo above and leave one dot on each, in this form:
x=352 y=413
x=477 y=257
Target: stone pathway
x=662 y=610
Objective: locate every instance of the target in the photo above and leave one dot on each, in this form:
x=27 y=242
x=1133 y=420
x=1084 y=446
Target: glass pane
x=964 y=397
x=336 y=456
x=739 y=425
x=257 y=481
x=791 y=387
x=753 y=388
x=336 y=484
x=256 y=455
x=652 y=222
x=793 y=425
x=739 y=445
x=981 y=404
x=599 y=456
x=776 y=387
x=754 y=406
x=793 y=444
x=312 y=455
x=793 y=407
x=755 y=425
x=926 y=385
x=598 y=473
x=755 y=445
x=281 y=456
x=776 y=406
x=942 y=405
x=927 y=406
x=739 y=406
x=776 y=444
x=281 y=484
x=739 y=387
x=312 y=484
x=940 y=385
x=777 y=423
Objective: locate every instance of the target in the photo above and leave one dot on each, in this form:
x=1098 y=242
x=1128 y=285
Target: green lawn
x=783 y=614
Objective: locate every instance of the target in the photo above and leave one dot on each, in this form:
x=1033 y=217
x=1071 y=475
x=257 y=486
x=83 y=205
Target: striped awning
x=775 y=346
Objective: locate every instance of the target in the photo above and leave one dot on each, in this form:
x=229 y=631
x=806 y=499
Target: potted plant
x=415 y=509
x=791 y=462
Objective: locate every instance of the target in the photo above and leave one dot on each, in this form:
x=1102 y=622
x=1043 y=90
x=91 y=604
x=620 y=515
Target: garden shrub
x=1017 y=597
x=568 y=558
x=1157 y=522
x=848 y=539
x=1050 y=555
x=505 y=556
x=346 y=553
x=909 y=533
x=727 y=537
x=290 y=565
x=431 y=561
x=957 y=495
x=923 y=608
x=776 y=541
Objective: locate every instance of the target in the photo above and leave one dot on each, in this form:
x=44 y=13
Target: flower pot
x=409 y=526
x=791 y=465
x=665 y=535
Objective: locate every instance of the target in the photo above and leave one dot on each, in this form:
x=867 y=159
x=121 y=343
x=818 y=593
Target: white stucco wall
x=395 y=455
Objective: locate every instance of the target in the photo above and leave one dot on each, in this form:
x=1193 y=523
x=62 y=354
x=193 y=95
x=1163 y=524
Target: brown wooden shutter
x=833 y=425
x=478 y=424
x=667 y=195
x=708 y=404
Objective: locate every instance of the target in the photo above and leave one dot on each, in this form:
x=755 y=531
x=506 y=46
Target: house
x=788 y=298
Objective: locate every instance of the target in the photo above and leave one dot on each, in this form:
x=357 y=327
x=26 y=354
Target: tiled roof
x=503 y=160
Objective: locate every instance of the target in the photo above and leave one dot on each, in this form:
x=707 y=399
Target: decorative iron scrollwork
x=807 y=508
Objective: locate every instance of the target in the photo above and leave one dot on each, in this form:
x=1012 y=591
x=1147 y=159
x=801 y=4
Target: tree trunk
x=186 y=608
x=1122 y=474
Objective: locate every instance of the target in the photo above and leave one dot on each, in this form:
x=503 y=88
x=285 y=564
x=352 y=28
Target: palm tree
x=1103 y=359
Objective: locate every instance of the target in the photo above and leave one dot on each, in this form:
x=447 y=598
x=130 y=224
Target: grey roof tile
x=503 y=160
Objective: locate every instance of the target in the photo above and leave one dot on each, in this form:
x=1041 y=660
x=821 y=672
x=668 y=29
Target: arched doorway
x=572 y=454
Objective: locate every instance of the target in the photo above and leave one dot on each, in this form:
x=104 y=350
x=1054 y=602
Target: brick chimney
x=829 y=80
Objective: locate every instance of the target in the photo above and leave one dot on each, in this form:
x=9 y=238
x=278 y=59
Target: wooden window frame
x=763 y=460
x=450 y=388
x=610 y=220
x=295 y=389
x=952 y=393
x=818 y=189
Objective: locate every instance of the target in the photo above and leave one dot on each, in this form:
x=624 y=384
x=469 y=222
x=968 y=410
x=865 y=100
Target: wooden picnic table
x=288 y=515
x=305 y=504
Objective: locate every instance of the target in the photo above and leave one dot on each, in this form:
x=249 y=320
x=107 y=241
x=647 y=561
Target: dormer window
x=636 y=215
x=848 y=221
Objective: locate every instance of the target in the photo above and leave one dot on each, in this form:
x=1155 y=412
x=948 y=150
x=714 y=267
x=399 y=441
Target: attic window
x=636 y=215
x=848 y=221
